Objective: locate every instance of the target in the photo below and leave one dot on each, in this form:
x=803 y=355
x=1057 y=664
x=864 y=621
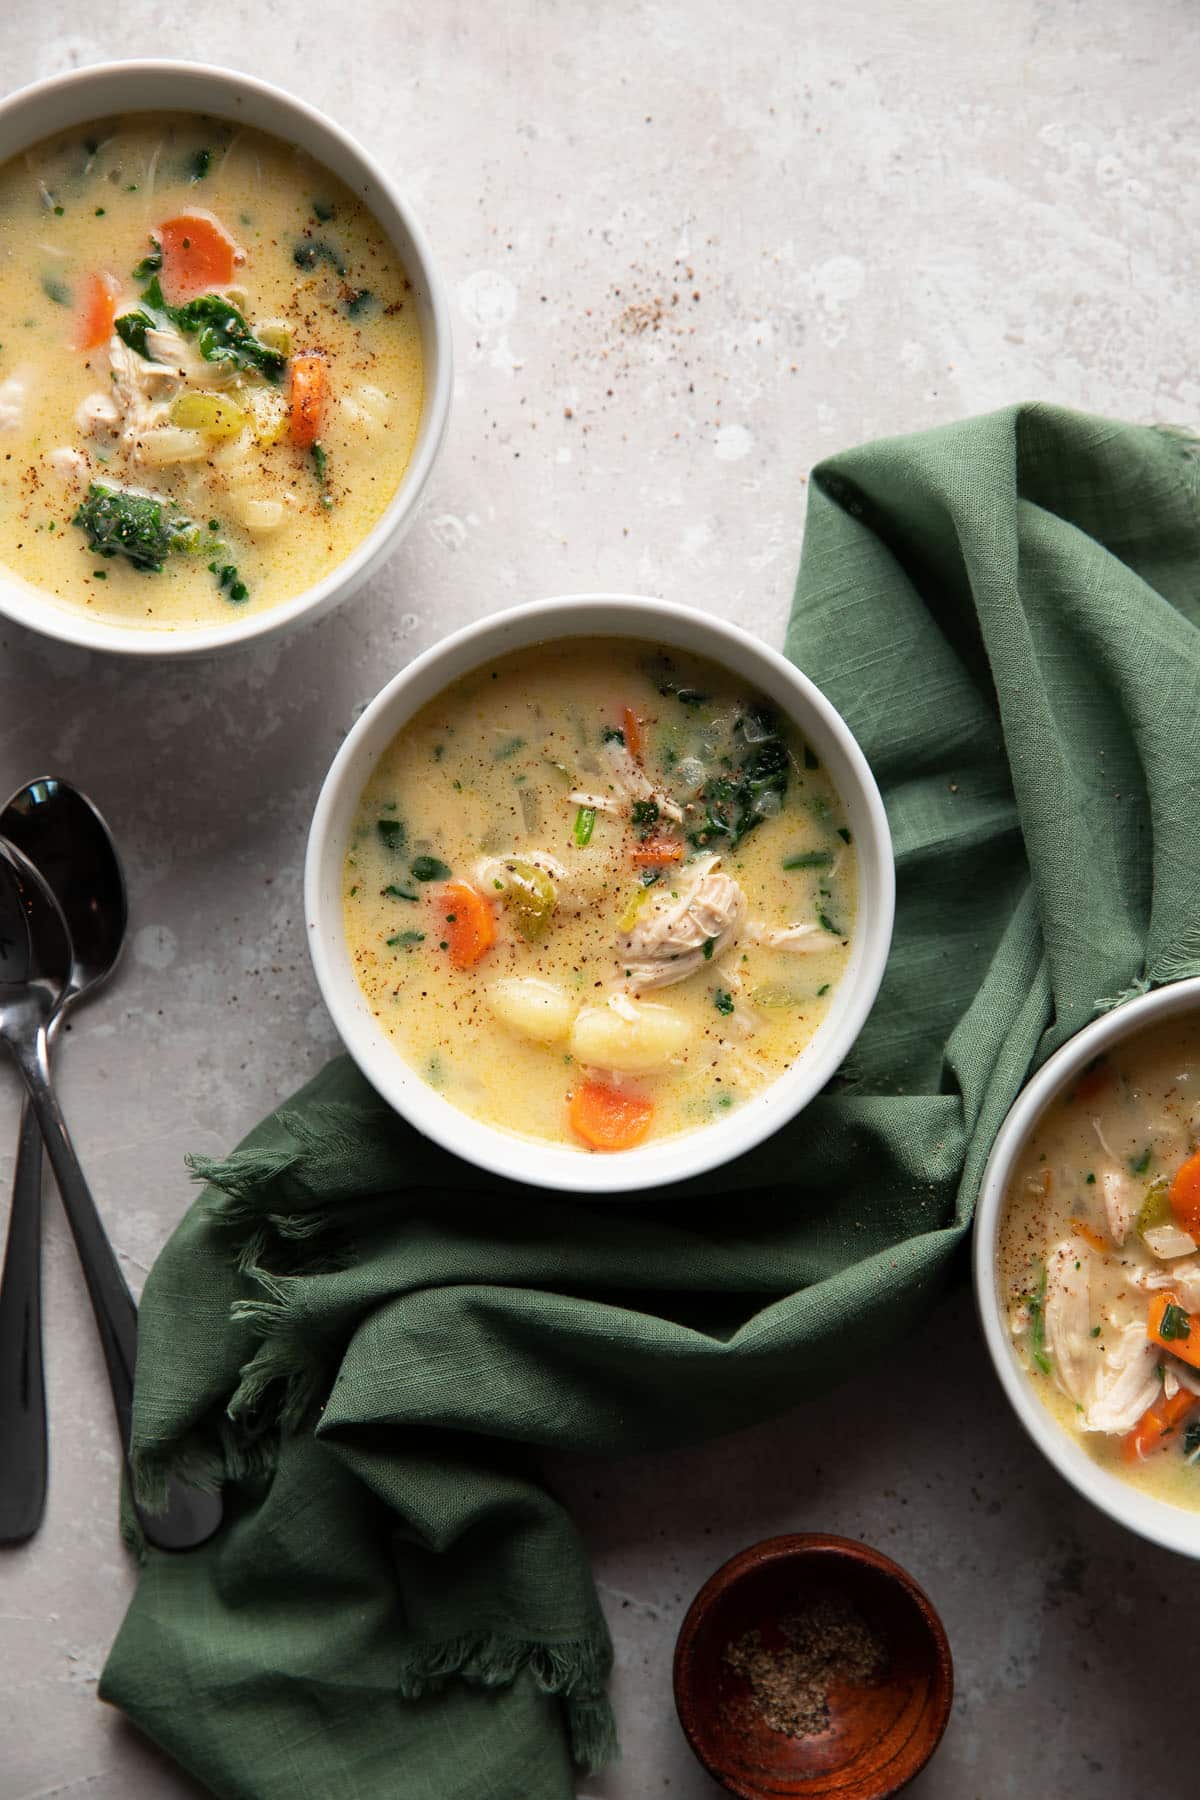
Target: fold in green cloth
x=369 y=1342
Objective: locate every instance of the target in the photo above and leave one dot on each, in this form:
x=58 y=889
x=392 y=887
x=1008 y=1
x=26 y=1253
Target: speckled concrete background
x=690 y=249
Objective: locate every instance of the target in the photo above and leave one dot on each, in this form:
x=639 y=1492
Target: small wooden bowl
x=880 y=1732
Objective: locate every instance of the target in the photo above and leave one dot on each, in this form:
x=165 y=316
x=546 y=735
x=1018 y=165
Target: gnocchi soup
x=596 y=893
x=210 y=370
x=1099 y=1263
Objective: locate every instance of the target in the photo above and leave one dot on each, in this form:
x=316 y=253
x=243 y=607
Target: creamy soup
x=210 y=370
x=1098 y=1262
x=597 y=894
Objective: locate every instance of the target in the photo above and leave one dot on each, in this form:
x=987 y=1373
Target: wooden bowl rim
x=801 y=1546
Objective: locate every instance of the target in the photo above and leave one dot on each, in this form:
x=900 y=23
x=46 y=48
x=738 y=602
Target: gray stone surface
x=875 y=217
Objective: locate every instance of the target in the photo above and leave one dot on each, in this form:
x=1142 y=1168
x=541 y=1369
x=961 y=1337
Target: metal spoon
x=69 y=844
x=35 y=967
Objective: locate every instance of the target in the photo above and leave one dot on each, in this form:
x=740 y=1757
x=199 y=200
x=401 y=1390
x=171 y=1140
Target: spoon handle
x=22 y=1381
x=190 y=1516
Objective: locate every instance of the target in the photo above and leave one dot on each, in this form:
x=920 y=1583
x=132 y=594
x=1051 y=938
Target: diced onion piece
x=214 y=414
x=172 y=444
x=260 y=515
x=1166 y=1241
x=602 y=1039
x=536 y=1009
x=275 y=334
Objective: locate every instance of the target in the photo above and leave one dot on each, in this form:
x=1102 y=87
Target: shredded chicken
x=97 y=412
x=1125 y=1383
x=800 y=938
x=631 y=779
x=598 y=802
x=667 y=941
x=1181 y=1277
x=1069 y=1321
x=1118 y=1204
x=68 y=463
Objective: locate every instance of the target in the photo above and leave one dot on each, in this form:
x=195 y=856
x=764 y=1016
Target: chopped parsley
x=56 y=290
x=1036 y=1303
x=827 y=924
x=644 y=814
x=722 y=1000
x=312 y=251
x=404 y=940
x=708 y=948
x=508 y=748
x=392 y=832
x=731 y=801
x=150 y=264
x=200 y=164
x=429 y=868
x=1139 y=1164
x=809 y=859
x=118 y=522
x=1175 y=1323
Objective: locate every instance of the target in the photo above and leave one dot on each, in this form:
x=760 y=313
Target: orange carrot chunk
x=197 y=255
x=656 y=850
x=1159 y=1421
x=310 y=390
x=634 y=741
x=470 y=924
x=1090 y=1235
x=94 y=321
x=609 y=1118
x=1171 y=1325
x=1185 y=1195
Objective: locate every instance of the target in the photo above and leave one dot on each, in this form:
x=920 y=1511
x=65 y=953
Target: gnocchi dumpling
x=638 y=1038
x=535 y=1008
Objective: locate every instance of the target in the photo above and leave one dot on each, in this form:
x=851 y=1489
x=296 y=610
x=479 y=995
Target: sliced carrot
x=198 y=255
x=1094 y=1080
x=609 y=1118
x=656 y=850
x=94 y=321
x=1091 y=1236
x=470 y=923
x=310 y=390
x=1184 y=1341
x=634 y=742
x=1185 y=1195
x=1156 y=1424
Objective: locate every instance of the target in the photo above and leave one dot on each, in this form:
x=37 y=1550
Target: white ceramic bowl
x=107 y=88
x=654 y=622
x=1170 y=1526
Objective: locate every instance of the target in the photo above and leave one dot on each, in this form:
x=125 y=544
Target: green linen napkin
x=370 y=1341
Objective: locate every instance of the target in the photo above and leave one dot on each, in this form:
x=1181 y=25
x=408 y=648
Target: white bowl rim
x=1172 y=1527
x=662 y=1161
x=28 y=606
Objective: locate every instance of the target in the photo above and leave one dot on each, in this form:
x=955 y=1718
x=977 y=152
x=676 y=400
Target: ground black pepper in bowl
x=812 y=1667
x=827 y=1644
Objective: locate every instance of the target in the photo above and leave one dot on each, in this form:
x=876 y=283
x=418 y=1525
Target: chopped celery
x=585 y=824
x=530 y=896
x=1155 y=1208
x=214 y=414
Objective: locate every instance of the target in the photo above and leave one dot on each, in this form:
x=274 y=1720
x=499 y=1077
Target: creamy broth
x=1098 y=1264
x=250 y=377
x=624 y=820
